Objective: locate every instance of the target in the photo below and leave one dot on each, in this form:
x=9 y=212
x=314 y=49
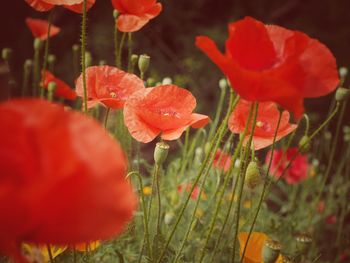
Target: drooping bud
x=144 y=61
x=6 y=54
x=304 y=144
x=38 y=44
x=223 y=83
x=161 y=153
x=342 y=94
x=252 y=175
x=51 y=90
x=303 y=243
x=270 y=251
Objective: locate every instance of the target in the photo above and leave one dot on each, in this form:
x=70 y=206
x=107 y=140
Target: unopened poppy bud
x=75 y=48
x=270 y=251
x=223 y=83
x=343 y=72
x=51 y=87
x=115 y=14
x=102 y=63
x=28 y=64
x=37 y=44
x=151 y=82
x=342 y=94
x=143 y=64
x=169 y=218
x=303 y=243
x=6 y=54
x=134 y=59
x=252 y=175
x=304 y=144
x=199 y=153
x=51 y=59
x=167 y=81
x=88 y=59
x=161 y=153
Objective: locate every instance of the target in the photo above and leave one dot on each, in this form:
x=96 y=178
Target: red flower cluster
x=134 y=14
x=62 y=89
x=40 y=28
x=73 y=5
x=265 y=128
x=165 y=110
x=271 y=63
x=62 y=178
x=108 y=85
x=296 y=173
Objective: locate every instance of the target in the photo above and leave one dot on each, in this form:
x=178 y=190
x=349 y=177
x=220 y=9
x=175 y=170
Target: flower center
x=113 y=94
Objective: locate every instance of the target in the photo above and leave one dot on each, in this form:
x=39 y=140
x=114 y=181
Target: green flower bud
x=270 y=251
x=223 y=83
x=343 y=72
x=88 y=59
x=304 y=144
x=342 y=94
x=151 y=82
x=75 y=48
x=303 y=243
x=102 y=62
x=28 y=64
x=51 y=58
x=143 y=64
x=169 y=218
x=51 y=90
x=161 y=152
x=134 y=59
x=115 y=14
x=167 y=81
x=252 y=175
x=38 y=44
x=6 y=54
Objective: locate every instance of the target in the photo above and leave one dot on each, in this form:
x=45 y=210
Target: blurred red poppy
x=62 y=178
x=62 y=88
x=39 y=28
x=134 y=14
x=165 y=110
x=297 y=171
x=265 y=128
x=222 y=160
x=108 y=85
x=73 y=5
x=271 y=63
x=188 y=187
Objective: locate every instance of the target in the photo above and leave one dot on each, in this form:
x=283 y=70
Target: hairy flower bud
x=161 y=152
x=252 y=176
x=304 y=144
x=144 y=61
x=270 y=251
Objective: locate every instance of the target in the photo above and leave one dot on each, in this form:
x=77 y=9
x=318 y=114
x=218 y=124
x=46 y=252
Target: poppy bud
x=88 y=59
x=115 y=14
x=207 y=148
x=51 y=61
x=51 y=87
x=102 y=63
x=303 y=243
x=223 y=83
x=167 y=81
x=343 y=72
x=38 y=44
x=28 y=64
x=342 y=94
x=270 y=251
x=169 y=218
x=252 y=175
x=75 y=48
x=161 y=153
x=144 y=61
x=6 y=54
x=199 y=154
x=304 y=144
x=151 y=82
x=134 y=58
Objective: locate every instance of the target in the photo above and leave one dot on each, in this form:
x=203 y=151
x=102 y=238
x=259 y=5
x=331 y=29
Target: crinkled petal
x=40 y=5
x=131 y=23
x=78 y=8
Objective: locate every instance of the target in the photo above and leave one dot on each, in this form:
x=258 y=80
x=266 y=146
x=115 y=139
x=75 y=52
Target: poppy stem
x=27 y=70
x=262 y=196
x=307 y=124
x=159 y=199
x=48 y=247
x=244 y=164
x=83 y=53
x=129 y=52
x=116 y=46
x=46 y=54
x=36 y=68
x=106 y=117
x=120 y=50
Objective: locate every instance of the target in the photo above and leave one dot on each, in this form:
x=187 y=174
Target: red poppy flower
x=134 y=14
x=188 y=187
x=271 y=63
x=165 y=110
x=39 y=28
x=73 y=5
x=222 y=160
x=266 y=124
x=108 y=85
x=62 y=89
x=62 y=177
x=297 y=171
x=331 y=219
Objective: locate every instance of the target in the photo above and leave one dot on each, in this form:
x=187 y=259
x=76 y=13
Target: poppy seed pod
x=304 y=144
x=161 y=153
x=303 y=243
x=143 y=64
x=270 y=251
x=38 y=44
x=6 y=54
x=252 y=175
x=52 y=86
x=342 y=94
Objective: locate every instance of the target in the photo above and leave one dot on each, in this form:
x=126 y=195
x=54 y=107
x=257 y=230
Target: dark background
x=169 y=38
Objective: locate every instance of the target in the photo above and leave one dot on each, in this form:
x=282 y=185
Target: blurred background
x=169 y=38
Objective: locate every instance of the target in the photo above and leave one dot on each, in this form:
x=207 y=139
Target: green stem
x=218 y=113
x=48 y=247
x=243 y=164
x=106 y=117
x=307 y=124
x=120 y=50
x=36 y=71
x=83 y=53
x=264 y=187
x=27 y=69
x=46 y=54
x=158 y=199
x=129 y=52
x=116 y=46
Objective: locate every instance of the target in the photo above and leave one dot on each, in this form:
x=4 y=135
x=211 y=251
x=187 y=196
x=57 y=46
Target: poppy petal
x=62 y=89
x=78 y=8
x=131 y=23
x=39 y=28
x=199 y=120
x=40 y=5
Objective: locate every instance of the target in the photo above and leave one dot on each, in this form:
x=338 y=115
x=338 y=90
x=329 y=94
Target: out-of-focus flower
x=147 y=190
x=62 y=173
x=265 y=128
x=40 y=28
x=321 y=207
x=163 y=110
x=187 y=188
x=62 y=89
x=73 y=5
x=271 y=63
x=134 y=14
x=40 y=253
x=297 y=171
x=84 y=247
x=331 y=219
x=222 y=160
x=108 y=85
